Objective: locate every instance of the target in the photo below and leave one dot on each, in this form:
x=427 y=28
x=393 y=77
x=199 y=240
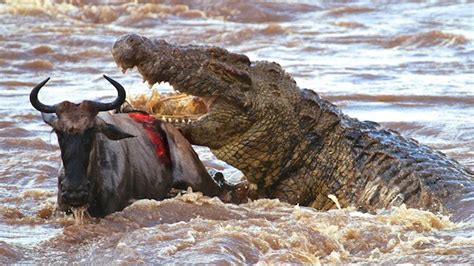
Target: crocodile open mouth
x=175 y=107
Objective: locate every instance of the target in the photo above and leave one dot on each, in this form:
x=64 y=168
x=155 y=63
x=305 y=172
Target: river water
x=408 y=66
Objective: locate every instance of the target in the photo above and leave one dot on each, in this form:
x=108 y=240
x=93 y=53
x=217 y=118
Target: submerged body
x=290 y=143
x=131 y=169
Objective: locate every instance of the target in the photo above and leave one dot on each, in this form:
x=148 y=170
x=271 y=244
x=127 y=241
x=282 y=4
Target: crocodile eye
x=275 y=90
x=273 y=71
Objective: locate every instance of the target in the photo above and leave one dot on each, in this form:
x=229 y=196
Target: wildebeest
x=109 y=159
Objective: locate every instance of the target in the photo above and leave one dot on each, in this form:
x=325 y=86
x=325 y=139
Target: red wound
x=154 y=135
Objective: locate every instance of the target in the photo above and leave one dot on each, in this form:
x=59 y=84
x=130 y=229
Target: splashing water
x=79 y=214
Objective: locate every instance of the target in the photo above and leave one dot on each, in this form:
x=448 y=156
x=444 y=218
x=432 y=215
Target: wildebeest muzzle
x=74 y=193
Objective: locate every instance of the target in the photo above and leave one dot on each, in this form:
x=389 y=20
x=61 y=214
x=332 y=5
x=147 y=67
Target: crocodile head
x=247 y=103
x=234 y=91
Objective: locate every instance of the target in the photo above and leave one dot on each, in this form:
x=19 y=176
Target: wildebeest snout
x=75 y=193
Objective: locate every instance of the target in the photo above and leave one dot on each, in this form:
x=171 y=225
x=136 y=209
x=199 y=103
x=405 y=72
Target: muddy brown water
x=408 y=66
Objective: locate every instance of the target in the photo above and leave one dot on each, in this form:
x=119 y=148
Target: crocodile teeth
x=178 y=120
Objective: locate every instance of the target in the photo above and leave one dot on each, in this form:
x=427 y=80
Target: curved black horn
x=117 y=102
x=36 y=103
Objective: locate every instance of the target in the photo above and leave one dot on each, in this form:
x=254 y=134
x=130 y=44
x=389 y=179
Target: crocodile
x=290 y=143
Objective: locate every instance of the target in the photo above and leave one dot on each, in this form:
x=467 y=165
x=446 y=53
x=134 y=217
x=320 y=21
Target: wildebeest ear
x=50 y=119
x=111 y=131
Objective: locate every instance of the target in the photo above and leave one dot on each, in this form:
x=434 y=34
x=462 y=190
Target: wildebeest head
x=76 y=126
